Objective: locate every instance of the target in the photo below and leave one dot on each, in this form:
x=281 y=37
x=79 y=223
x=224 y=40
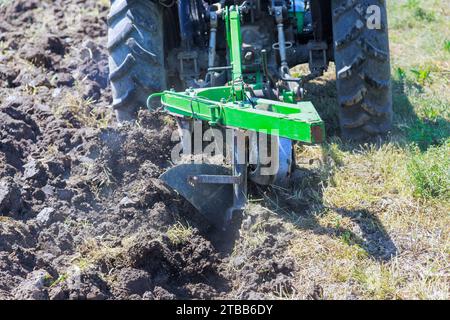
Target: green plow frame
x=299 y=122
x=231 y=106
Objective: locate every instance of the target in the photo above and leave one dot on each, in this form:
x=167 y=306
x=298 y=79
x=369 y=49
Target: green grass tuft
x=424 y=15
x=411 y=4
x=447 y=45
x=428 y=133
x=422 y=76
x=430 y=172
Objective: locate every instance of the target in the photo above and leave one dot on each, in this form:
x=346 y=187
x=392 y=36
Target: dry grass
x=83 y=111
x=94 y=251
x=179 y=233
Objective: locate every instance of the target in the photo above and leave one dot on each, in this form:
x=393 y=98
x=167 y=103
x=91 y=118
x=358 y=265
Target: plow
x=217 y=193
x=228 y=66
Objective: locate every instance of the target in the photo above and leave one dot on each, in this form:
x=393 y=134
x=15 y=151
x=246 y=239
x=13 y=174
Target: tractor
x=228 y=65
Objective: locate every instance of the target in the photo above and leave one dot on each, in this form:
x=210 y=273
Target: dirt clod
x=10 y=197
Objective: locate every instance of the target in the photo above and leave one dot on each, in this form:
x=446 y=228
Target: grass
x=61 y=279
x=447 y=45
x=83 y=111
x=5 y=219
x=372 y=221
x=348 y=187
x=430 y=172
x=93 y=252
x=179 y=234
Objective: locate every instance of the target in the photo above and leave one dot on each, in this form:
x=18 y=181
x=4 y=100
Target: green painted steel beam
x=234 y=39
x=299 y=121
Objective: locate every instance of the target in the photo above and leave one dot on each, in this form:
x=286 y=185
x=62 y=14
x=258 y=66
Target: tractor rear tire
x=136 y=54
x=361 y=54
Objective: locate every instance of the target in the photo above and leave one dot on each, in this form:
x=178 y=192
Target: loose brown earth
x=82 y=212
x=84 y=216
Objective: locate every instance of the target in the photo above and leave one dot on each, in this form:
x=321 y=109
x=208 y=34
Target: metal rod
x=215 y=179
x=212 y=39
x=220 y=68
x=281 y=39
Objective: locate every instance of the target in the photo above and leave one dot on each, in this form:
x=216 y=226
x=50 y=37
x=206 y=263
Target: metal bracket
x=318 y=61
x=184 y=57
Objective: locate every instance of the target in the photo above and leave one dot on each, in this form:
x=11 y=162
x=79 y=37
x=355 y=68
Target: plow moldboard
x=211 y=200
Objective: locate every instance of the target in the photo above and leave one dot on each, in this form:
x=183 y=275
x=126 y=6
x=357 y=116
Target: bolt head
x=248 y=55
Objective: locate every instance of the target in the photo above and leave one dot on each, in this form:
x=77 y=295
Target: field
x=83 y=215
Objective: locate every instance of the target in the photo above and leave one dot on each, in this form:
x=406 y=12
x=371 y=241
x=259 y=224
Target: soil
x=82 y=212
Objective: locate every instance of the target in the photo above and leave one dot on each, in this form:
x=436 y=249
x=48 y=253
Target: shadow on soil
x=373 y=238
